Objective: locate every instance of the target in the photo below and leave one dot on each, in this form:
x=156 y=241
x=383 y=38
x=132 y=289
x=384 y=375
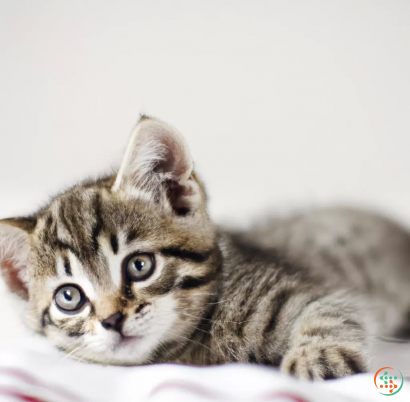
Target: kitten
x=129 y=270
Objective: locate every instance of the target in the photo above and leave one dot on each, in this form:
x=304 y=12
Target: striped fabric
x=35 y=373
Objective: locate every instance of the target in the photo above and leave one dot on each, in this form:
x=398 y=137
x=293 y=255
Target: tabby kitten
x=129 y=270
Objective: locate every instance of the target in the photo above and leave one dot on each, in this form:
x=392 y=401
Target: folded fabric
x=34 y=372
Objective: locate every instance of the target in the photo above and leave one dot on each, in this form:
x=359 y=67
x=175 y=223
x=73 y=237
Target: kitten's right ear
x=14 y=253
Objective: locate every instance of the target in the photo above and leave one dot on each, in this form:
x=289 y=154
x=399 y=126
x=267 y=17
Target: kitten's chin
x=126 y=352
x=129 y=350
x=126 y=341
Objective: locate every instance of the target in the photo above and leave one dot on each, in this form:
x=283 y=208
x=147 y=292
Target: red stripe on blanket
x=21 y=375
x=29 y=379
x=19 y=396
x=205 y=392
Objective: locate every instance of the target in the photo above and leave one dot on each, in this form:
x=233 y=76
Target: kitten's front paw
x=317 y=362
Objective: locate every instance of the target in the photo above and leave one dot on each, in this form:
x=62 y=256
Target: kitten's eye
x=140 y=267
x=69 y=298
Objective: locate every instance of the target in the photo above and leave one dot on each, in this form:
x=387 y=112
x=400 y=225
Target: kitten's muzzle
x=114 y=322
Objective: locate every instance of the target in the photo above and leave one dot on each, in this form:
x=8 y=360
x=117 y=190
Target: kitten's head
x=119 y=270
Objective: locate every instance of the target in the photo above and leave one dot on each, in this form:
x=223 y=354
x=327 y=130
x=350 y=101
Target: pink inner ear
x=174 y=160
x=12 y=279
x=184 y=197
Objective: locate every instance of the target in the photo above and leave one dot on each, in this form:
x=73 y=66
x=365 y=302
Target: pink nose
x=114 y=322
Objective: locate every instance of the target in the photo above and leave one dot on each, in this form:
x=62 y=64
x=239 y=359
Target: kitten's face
x=118 y=273
x=113 y=279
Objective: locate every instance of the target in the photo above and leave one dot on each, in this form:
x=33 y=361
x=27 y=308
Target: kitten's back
x=348 y=248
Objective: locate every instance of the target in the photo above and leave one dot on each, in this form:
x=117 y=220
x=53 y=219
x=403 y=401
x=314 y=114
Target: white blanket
x=35 y=372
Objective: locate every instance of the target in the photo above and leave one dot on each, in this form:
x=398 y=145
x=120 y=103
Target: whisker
x=189 y=340
x=73 y=351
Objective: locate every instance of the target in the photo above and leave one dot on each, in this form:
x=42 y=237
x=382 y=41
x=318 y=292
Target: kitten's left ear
x=158 y=165
x=14 y=253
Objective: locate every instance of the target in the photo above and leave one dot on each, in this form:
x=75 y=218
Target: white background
x=284 y=103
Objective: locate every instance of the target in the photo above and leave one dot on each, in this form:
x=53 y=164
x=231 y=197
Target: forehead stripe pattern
x=98 y=224
x=64 y=246
x=67 y=267
x=131 y=235
x=114 y=243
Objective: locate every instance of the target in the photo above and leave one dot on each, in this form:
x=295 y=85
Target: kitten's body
x=304 y=293
x=354 y=249
x=348 y=270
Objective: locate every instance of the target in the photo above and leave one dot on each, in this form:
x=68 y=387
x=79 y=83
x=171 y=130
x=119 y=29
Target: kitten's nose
x=113 y=322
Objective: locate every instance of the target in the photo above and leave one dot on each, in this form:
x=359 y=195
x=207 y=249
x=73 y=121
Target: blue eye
x=69 y=298
x=139 y=267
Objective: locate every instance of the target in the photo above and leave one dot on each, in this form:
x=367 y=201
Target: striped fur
x=305 y=294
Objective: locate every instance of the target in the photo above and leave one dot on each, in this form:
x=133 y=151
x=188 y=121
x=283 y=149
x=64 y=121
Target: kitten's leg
x=328 y=340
